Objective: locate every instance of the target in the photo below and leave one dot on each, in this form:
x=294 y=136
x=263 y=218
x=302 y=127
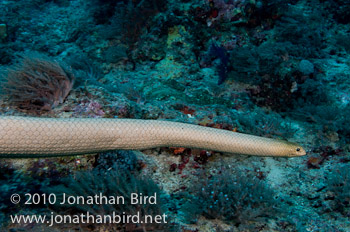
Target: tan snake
x=29 y=137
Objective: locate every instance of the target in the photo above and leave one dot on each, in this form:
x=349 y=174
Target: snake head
x=299 y=151
x=296 y=149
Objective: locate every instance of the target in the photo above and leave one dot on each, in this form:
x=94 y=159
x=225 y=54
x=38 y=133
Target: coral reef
x=272 y=68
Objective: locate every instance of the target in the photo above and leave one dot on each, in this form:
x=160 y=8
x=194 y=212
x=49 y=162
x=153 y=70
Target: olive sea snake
x=29 y=137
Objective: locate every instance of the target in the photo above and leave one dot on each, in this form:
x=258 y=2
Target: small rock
x=306 y=67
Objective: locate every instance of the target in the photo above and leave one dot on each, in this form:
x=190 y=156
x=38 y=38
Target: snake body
x=30 y=137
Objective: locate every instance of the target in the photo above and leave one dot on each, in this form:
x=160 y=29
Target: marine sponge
x=37 y=83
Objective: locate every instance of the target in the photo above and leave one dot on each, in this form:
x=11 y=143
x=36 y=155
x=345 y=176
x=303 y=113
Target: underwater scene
x=175 y=115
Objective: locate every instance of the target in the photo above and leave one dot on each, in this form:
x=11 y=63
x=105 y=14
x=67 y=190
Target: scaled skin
x=29 y=137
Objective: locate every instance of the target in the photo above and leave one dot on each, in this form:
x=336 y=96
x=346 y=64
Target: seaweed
x=233 y=196
x=120 y=184
x=13 y=182
x=37 y=84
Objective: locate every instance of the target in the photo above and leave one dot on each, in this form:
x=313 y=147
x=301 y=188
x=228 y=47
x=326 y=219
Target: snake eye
x=298 y=149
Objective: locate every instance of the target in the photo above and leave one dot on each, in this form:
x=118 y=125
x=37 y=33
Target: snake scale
x=28 y=137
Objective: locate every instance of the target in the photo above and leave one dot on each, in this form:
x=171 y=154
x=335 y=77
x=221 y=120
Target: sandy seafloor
x=277 y=69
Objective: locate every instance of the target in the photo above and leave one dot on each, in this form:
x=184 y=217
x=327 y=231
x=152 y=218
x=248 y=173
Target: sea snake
x=29 y=137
